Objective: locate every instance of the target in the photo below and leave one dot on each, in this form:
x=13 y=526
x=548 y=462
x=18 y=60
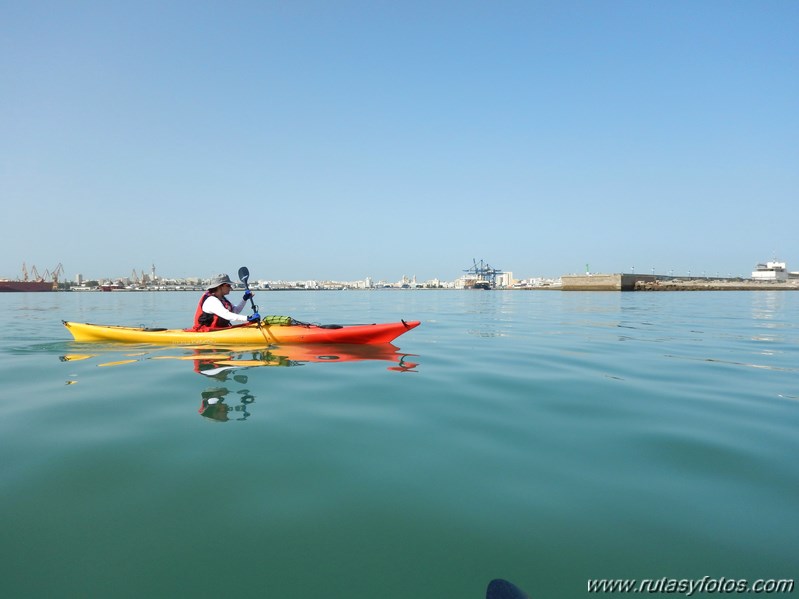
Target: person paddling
x=214 y=311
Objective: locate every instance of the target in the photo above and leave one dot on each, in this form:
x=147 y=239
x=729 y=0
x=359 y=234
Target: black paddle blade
x=502 y=589
x=244 y=274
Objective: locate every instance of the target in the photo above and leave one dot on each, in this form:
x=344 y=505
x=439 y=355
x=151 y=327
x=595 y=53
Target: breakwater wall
x=633 y=282
x=615 y=282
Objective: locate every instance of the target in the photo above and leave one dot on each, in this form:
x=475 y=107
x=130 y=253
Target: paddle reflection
x=219 y=405
x=214 y=407
x=227 y=398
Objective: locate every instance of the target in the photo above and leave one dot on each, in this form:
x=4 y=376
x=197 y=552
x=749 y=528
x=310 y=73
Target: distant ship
x=111 y=287
x=26 y=286
x=47 y=282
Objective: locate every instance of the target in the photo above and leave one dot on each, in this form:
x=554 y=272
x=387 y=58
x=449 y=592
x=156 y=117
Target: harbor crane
x=36 y=277
x=484 y=274
x=57 y=272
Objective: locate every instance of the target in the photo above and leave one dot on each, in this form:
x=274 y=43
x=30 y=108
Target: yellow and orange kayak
x=256 y=333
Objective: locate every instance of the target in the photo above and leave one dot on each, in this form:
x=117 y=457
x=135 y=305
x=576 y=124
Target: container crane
x=484 y=274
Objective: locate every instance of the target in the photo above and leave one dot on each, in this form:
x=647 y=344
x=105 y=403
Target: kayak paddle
x=244 y=276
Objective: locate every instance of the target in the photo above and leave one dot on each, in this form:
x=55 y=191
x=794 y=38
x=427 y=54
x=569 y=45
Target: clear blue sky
x=344 y=139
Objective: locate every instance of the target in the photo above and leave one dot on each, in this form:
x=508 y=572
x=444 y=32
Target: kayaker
x=214 y=311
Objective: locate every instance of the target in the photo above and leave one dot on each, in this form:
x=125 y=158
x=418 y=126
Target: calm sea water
x=543 y=437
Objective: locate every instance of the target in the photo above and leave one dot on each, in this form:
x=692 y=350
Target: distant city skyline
x=86 y=275
x=464 y=272
x=344 y=140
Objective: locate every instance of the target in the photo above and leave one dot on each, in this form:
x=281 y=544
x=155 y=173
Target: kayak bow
x=256 y=333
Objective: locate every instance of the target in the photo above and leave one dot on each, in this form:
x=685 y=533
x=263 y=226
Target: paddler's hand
x=254 y=317
x=247 y=295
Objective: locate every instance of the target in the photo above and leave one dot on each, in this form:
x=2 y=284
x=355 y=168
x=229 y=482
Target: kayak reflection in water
x=216 y=362
x=219 y=364
x=222 y=364
x=213 y=406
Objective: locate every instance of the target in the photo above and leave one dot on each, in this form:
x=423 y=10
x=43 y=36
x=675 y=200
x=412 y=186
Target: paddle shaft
x=244 y=277
x=252 y=301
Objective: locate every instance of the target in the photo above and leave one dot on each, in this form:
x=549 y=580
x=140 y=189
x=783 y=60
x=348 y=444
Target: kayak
x=255 y=333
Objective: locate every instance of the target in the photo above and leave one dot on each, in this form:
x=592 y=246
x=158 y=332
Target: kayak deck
x=255 y=333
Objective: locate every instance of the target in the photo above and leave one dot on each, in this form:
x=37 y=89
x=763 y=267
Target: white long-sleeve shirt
x=213 y=305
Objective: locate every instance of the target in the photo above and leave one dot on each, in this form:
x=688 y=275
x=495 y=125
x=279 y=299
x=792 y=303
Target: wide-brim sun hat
x=219 y=280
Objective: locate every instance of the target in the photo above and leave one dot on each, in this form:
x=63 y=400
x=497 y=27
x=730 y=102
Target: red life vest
x=205 y=321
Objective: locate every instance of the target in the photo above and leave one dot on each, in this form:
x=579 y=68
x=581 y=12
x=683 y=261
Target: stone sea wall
x=632 y=282
x=715 y=285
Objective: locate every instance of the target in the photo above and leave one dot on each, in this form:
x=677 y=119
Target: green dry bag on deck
x=277 y=320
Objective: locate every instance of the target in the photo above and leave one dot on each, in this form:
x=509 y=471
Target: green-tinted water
x=544 y=437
